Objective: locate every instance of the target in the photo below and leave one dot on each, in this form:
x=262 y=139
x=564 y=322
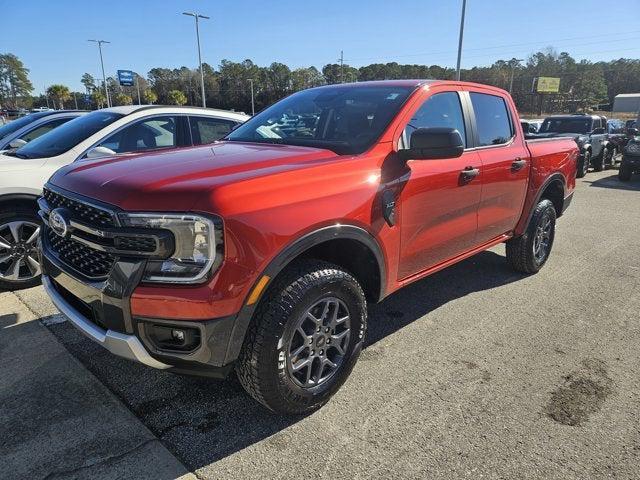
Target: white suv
x=109 y=132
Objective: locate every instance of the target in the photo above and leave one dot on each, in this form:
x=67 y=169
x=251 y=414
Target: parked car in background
x=21 y=131
x=589 y=132
x=262 y=251
x=531 y=125
x=111 y=132
x=630 y=163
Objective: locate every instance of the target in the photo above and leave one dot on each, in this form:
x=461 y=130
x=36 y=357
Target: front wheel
x=304 y=339
x=625 y=172
x=19 y=267
x=599 y=161
x=530 y=251
x=583 y=167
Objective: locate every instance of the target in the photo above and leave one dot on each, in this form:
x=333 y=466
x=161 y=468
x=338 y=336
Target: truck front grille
x=81 y=211
x=87 y=261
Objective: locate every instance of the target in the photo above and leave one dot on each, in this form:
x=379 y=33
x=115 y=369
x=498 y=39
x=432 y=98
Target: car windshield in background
x=15 y=125
x=67 y=136
x=566 y=125
x=344 y=119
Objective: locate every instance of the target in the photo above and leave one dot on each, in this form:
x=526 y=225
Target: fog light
x=170 y=338
x=178 y=335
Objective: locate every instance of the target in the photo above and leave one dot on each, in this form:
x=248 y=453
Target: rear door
x=438 y=206
x=505 y=164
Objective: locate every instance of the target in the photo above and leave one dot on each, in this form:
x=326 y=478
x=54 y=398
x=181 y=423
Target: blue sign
x=125 y=77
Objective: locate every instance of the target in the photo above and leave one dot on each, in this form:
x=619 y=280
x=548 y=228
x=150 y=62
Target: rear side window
x=492 y=119
x=439 y=110
x=208 y=129
x=42 y=129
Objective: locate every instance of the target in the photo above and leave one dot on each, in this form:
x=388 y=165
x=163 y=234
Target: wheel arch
x=348 y=246
x=11 y=201
x=552 y=189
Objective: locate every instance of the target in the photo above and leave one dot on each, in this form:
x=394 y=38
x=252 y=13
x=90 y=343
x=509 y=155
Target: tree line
x=584 y=85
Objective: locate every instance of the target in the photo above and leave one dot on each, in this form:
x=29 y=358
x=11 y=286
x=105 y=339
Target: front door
x=438 y=203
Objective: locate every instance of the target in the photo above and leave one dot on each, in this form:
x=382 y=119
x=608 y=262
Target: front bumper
x=100 y=310
x=123 y=345
x=632 y=160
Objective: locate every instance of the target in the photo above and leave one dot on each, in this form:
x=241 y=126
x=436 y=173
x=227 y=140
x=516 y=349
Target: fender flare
x=286 y=256
x=553 y=178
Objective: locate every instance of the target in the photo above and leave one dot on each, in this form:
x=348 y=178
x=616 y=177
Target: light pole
x=515 y=62
x=197 y=16
x=464 y=5
x=253 y=108
x=104 y=77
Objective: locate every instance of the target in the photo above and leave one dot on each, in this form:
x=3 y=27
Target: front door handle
x=469 y=173
x=518 y=164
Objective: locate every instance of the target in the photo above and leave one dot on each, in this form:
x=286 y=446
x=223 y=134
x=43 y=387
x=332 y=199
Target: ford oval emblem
x=58 y=222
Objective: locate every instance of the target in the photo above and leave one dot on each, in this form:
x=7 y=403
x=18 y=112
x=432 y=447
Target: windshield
x=344 y=119
x=67 y=136
x=566 y=125
x=15 y=125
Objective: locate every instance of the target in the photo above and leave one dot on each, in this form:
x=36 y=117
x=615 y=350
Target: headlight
x=633 y=148
x=198 y=246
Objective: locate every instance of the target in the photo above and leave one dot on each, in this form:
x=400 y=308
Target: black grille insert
x=80 y=210
x=89 y=262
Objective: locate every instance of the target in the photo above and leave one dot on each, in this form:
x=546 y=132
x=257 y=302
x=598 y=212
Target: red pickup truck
x=259 y=253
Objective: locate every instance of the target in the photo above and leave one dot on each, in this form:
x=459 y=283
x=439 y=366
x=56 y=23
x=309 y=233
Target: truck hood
x=173 y=180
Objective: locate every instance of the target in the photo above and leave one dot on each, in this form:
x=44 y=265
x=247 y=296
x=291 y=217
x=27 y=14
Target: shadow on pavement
x=612 y=181
x=202 y=420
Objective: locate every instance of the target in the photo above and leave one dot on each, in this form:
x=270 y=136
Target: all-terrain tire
x=521 y=250
x=263 y=368
x=625 y=172
x=583 y=166
x=599 y=161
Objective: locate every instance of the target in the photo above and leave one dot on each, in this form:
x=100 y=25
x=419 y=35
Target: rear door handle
x=518 y=164
x=469 y=173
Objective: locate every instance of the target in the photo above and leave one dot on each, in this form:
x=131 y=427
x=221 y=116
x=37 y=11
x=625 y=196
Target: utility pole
x=515 y=62
x=75 y=99
x=104 y=77
x=253 y=108
x=138 y=88
x=464 y=6
x=46 y=97
x=197 y=16
x=341 y=66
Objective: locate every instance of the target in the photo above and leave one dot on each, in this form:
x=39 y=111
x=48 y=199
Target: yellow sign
x=548 y=85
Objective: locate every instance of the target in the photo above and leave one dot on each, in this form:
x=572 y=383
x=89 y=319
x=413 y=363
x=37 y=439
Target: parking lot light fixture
x=197 y=16
x=104 y=77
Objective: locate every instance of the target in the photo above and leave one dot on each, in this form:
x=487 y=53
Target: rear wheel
x=304 y=339
x=625 y=172
x=599 y=161
x=19 y=267
x=530 y=251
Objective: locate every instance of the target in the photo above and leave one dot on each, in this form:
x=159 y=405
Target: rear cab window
x=493 y=121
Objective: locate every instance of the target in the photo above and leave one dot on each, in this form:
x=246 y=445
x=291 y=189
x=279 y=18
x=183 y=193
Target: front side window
x=17 y=124
x=209 y=129
x=67 y=136
x=150 y=134
x=439 y=110
x=492 y=119
x=42 y=129
x=346 y=119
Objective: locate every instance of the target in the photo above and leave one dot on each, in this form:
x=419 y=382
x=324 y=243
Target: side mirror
x=598 y=131
x=99 y=152
x=17 y=143
x=633 y=132
x=435 y=142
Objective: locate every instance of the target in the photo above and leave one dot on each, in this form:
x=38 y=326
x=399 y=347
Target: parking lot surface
x=475 y=372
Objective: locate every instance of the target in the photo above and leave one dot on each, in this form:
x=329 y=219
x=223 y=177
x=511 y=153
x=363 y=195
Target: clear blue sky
x=50 y=36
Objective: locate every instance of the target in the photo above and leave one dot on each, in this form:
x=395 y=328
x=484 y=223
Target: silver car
x=21 y=131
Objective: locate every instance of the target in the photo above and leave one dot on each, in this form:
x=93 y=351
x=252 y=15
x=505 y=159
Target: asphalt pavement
x=475 y=372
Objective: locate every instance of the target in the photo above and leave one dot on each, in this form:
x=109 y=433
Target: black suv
x=589 y=132
x=631 y=157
